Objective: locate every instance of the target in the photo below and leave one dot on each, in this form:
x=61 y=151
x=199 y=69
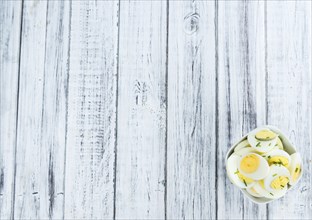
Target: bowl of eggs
x=264 y=164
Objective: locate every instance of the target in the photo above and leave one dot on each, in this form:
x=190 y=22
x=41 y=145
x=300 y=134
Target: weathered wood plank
x=191 y=111
x=10 y=23
x=141 y=110
x=289 y=94
x=42 y=110
x=241 y=82
x=89 y=181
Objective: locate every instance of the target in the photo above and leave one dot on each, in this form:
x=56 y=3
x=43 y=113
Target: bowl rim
x=287 y=145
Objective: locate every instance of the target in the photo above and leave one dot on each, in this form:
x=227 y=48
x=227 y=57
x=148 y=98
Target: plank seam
x=216 y=103
x=67 y=95
x=116 y=119
x=17 y=108
x=266 y=77
x=166 y=134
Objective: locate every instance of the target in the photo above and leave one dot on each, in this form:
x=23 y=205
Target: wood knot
x=191 y=23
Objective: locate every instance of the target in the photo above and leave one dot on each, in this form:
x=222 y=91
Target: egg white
x=244 y=151
x=275 y=172
x=261 y=191
x=258 y=145
x=262 y=170
x=232 y=168
x=241 y=145
x=295 y=159
x=277 y=153
x=253 y=192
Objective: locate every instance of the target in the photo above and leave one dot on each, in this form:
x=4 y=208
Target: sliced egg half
x=235 y=176
x=279 y=144
x=295 y=168
x=253 y=166
x=260 y=189
x=241 y=145
x=253 y=192
x=278 y=157
x=262 y=139
x=244 y=151
x=277 y=179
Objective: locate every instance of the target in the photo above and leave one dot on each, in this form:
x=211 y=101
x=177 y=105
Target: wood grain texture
x=241 y=82
x=10 y=23
x=289 y=94
x=141 y=110
x=191 y=111
x=89 y=181
x=42 y=111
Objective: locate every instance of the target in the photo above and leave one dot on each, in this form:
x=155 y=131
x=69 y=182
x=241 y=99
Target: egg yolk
x=250 y=163
x=265 y=135
x=296 y=173
x=279 y=160
x=279 y=182
x=244 y=178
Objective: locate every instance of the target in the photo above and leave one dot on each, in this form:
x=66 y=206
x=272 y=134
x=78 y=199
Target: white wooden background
x=125 y=109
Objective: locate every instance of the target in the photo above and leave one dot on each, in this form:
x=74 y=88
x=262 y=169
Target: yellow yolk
x=279 y=160
x=279 y=182
x=265 y=135
x=296 y=173
x=244 y=178
x=250 y=163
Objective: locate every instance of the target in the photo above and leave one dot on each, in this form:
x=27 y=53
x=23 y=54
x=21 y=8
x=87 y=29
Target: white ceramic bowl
x=288 y=147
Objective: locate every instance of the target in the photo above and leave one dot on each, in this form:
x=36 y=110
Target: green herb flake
x=274 y=174
x=296 y=170
x=272 y=194
x=282 y=186
x=245 y=183
x=237 y=172
x=258 y=145
x=269 y=157
x=276 y=144
x=270 y=144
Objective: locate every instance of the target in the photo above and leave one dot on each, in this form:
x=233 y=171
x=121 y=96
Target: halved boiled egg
x=253 y=166
x=262 y=139
x=277 y=179
x=260 y=189
x=244 y=151
x=235 y=176
x=253 y=192
x=278 y=157
x=241 y=145
x=279 y=144
x=295 y=168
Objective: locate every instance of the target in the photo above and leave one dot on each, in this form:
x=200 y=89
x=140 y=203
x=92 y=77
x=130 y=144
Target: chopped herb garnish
x=276 y=144
x=270 y=144
x=282 y=186
x=274 y=174
x=245 y=183
x=269 y=157
x=236 y=172
x=296 y=170
x=258 y=145
x=272 y=194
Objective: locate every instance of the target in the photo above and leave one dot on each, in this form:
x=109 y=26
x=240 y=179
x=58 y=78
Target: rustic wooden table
x=125 y=109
